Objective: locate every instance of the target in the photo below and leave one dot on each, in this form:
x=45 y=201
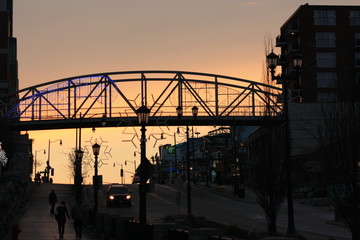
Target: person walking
x=78 y=214
x=60 y=216
x=52 y=200
x=38 y=179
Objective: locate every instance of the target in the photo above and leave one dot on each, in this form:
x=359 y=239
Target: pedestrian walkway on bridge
x=36 y=222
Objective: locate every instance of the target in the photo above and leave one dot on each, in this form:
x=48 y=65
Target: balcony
x=294 y=47
x=357 y=43
x=282 y=60
x=293 y=29
x=357 y=63
x=280 y=41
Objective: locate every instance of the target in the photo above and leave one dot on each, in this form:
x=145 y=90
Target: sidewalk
x=36 y=222
x=320 y=216
x=228 y=191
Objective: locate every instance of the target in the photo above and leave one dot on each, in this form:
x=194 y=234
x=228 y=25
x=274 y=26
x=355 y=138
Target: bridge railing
x=120 y=94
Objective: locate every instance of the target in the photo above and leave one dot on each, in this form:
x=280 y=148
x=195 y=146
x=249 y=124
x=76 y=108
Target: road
x=312 y=222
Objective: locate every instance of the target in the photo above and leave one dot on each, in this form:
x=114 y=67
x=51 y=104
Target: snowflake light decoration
x=3 y=158
x=104 y=148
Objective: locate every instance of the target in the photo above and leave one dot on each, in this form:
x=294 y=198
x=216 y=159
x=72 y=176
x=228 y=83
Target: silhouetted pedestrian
x=78 y=214
x=38 y=179
x=52 y=200
x=60 y=216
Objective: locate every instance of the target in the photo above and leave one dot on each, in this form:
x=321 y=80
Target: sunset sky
x=58 y=39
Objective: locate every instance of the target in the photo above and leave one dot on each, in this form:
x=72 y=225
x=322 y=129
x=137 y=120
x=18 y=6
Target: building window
x=355 y=18
x=357 y=39
x=357 y=59
x=324 y=17
x=325 y=39
x=357 y=81
x=327 y=96
x=326 y=80
x=4 y=67
x=326 y=59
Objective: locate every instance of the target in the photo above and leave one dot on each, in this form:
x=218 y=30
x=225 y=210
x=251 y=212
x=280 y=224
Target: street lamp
x=48 y=166
x=136 y=152
x=96 y=151
x=181 y=131
x=194 y=111
x=35 y=162
x=143 y=117
x=175 y=157
x=297 y=62
x=179 y=112
x=134 y=162
x=103 y=120
x=272 y=61
x=207 y=166
x=78 y=176
x=78 y=162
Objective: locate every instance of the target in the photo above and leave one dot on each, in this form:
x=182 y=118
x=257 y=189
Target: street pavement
x=36 y=222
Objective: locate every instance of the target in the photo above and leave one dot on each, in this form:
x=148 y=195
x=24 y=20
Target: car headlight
x=128 y=196
x=111 y=197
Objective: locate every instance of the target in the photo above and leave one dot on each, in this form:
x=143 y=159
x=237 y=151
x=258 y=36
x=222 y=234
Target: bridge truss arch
x=115 y=96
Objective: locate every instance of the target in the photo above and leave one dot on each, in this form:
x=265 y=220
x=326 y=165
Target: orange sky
x=58 y=39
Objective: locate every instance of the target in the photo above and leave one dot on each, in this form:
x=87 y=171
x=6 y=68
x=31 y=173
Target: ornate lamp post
x=96 y=151
x=179 y=112
x=272 y=61
x=48 y=166
x=78 y=162
x=78 y=175
x=143 y=116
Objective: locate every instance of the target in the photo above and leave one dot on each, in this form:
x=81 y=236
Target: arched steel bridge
x=86 y=100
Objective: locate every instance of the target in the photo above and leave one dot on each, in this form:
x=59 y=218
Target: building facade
x=328 y=39
x=18 y=147
x=8 y=54
x=214 y=158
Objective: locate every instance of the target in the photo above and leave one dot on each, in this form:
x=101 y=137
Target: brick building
x=328 y=39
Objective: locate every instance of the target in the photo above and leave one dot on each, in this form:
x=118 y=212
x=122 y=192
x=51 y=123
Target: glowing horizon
x=60 y=39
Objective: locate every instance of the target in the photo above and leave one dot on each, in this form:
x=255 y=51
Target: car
x=136 y=179
x=117 y=194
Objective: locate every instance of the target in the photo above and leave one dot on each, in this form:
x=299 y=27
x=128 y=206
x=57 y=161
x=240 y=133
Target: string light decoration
x=3 y=158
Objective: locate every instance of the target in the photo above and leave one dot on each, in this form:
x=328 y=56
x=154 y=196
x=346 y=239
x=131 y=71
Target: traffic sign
x=171 y=149
x=145 y=170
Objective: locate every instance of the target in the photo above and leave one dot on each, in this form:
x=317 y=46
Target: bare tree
x=340 y=144
x=268 y=176
x=266 y=77
x=72 y=166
